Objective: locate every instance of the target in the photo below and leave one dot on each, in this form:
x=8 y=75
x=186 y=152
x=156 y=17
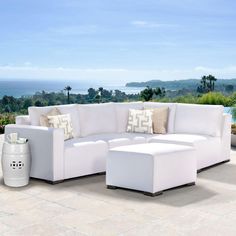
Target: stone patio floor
x=84 y=206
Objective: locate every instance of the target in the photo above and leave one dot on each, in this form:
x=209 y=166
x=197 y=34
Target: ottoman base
x=149 y=193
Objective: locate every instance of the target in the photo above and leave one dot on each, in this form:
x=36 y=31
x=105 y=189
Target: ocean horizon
x=18 y=88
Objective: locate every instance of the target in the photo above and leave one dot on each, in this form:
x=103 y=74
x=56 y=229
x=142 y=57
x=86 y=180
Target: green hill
x=190 y=84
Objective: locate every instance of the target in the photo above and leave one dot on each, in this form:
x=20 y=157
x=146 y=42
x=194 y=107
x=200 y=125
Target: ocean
x=18 y=88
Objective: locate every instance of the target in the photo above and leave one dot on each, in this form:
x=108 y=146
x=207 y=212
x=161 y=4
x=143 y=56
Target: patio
x=84 y=206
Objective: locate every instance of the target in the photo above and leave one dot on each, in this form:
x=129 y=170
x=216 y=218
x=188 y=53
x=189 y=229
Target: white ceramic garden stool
x=16 y=164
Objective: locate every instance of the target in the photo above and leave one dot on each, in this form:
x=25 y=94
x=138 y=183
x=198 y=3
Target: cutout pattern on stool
x=16 y=165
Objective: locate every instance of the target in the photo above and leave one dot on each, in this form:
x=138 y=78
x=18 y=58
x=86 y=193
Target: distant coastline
x=190 y=84
x=18 y=88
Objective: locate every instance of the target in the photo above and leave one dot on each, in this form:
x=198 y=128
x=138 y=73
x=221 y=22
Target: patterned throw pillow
x=140 y=121
x=43 y=119
x=63 y=122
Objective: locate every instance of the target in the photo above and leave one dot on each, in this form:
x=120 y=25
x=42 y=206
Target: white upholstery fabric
x=85 y=158
x=50 y=154
x=72 y=109
x=171 y=117
x=113 y=139
x=97 y=118
x=208 y=148
x=198 y=119
x=46 y=148
x=151 y=167
x=225 y=137
x=122 y=113
x=23 y=120
x=184 y=139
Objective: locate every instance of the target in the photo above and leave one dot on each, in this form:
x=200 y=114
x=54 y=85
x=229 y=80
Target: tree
x=147 y=94
x=27 y=103
x=229 y=88
x=159 y=92
x=204 y=82
x=38 y=103
x=68 y=89
x=207 y=84
x=91 y=93
x=211 y=83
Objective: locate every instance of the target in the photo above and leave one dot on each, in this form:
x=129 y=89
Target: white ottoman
x=151 y=167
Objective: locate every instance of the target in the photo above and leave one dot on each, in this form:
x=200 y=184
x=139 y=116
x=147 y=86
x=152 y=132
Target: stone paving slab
x=84 y=206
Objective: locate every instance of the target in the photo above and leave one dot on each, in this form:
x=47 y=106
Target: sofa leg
x=153 y=194
x=190 y=184
x=54 y=182
x=111 y=187
x=101 y=173
x=208 y=167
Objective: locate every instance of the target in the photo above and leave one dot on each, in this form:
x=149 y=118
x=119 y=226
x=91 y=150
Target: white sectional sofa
x=100 y=127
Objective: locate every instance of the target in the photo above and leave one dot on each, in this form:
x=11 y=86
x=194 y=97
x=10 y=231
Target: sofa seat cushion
x=84 y=158
x=208 y=148
x=183 y=139
x=112 y=140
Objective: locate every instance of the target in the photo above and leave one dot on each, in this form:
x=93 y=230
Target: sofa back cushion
x=97 y=119
x=72 y=109
x=198 y=119
x=171 y=116
x=122 y=113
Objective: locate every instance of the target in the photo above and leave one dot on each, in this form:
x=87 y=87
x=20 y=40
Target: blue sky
x=116 y=41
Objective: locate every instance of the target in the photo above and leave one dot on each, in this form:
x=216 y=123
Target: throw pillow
x=43 y=119
x=160 y=119
x=63 y=122
x=140 y=121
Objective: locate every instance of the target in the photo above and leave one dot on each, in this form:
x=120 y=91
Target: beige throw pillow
x=140 y=121
x=43 y=119
x=160 y=119
x=63 y=122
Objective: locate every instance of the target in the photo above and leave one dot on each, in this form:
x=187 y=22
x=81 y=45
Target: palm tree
x=204 y=82
x=100 y=94
x=68 y=89
x=212 y=80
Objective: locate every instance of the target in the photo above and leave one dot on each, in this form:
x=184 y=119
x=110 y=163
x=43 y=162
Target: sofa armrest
x=47 y=150
x=226 y=136
x=23 y=120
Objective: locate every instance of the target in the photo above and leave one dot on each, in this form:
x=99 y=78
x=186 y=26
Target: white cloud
x=111 y=75
x=27 y=63
x=147 y=24
x=224 y=72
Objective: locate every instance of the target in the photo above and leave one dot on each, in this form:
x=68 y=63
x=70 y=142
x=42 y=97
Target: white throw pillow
x=140 y=121
x=62 y=122
x=43 y=119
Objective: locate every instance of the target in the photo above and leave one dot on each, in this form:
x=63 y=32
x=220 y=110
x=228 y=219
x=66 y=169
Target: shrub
x=233 y=128
x=214 y=98
x=6 y=119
